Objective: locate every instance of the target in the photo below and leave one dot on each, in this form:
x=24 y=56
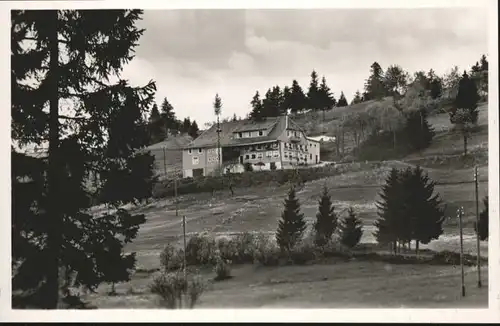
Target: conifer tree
x=350 y=229
x=257 y=113
x=466 y=113
x=390 y=209
x=155 y=114
x=102 y=133
x=286 y=103
x=313 y=95
x=483 y=228
x=422 y=207
x=156 y=126
x=357 y=98
x=292 y=224
x=193 y=129
x=375 y=87
x=326 y=219
x=186 y=125
x=168 y=117
x=325 y=96
x=342 y=100
x=298 y=100
x=417 y=130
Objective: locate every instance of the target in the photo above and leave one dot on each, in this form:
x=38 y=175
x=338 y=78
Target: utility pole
x=460 y=213
x=165 y=161
x=476 y=181
x=184 y=236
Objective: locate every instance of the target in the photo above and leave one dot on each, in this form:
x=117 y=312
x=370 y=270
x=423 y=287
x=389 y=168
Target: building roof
x=172 y=143
x=227 y=137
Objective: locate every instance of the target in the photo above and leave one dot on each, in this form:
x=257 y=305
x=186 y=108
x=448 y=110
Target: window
x=310 y=145
x=259 y=155
x=199 y=150
x=253 y=156
x=295 y=133
x=195 y=160
x=269 y=153
x=240 y=135
x=247 y=156
x=249 y=134
x=276 y=154
x=189 y=151
x=311 y=156
x=260 y=133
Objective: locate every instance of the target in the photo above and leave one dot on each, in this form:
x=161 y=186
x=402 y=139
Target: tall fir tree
x=272 y=102
x=286 y=97
x=465 y=114
x=313 y=95
x=257 y=113
x=326 y=219
x=156 y=126
x=292 y=224
x=325 y=95
x=423 y=208
x=417 y=130
x=350 y=229
x=435 y=85
x=168 y=117
x=375 y=87
x=357 y=98
x=193 y=130
x=483 y=228
x=342 y=100
x=298 y=99
x=102 y=133
x=155 y=114
x=390 y=207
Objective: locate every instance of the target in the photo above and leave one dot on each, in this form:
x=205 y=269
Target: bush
x=303 y=253
x=222 y=268
x=334 y=248
x=172 y=288
x=245 y=244
x=200 y=250
x=267 y=252
x=272 y=166
x=248 y=167
x=171 y=258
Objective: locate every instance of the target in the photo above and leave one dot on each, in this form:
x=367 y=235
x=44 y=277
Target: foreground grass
x=352 y=284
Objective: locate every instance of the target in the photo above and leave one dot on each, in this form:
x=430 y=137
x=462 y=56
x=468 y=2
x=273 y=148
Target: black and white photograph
x=251 y=158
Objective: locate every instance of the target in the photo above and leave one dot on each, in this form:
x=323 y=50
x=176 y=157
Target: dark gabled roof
x=172 y=142
x=227 y=137
x=251 y=125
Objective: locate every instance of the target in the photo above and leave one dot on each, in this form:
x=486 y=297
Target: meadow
x=329 y=284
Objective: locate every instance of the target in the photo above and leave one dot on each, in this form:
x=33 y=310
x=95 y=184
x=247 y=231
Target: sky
x=194 y=54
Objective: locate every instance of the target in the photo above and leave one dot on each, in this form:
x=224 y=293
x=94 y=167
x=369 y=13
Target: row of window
x=261 y=155
x=200 y=150
x=298 y=146
x=293 y=155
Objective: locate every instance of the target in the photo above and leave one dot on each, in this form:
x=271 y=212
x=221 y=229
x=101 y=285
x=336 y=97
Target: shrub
x=171 y=258
x=200 y=250
x=303 y=253
x=248 y=167
x=334 y=248
x=267 y=253
x=245 y=244
x=272 y=166
x=226 y=249
x=222 y=268
x=172 y=287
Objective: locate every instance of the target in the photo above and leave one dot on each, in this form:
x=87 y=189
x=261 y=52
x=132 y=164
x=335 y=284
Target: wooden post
x=476 y=181
x=460 y=214
x=184 y=237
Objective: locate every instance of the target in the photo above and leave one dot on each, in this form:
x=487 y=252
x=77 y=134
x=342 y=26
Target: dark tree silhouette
x=257 y=113
x=326 y=219
x=101 y=134
x=483 y=228
x=292 y=225
x=342 y=100
x=350 y=229
x=298 y=100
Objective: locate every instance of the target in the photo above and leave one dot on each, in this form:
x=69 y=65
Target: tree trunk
x=465 y=145
x=416 y=247
x=54 y=231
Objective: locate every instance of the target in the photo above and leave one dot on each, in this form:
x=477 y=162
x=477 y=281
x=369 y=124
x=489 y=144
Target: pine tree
x=292 y=225
x=395 y=80
x=435 y=85
x=466 y=113
x=422 y=207
x=417 y=130
x=374 y=87
x=298 y=100
x=102 y=134
x=350 y=229
x=168 y=117
x=313 y=95
x=155 y=114
x=156 y=126
x=218 y=110
x=483 y=229
x=257 y=113
x=357 y=98
x=235 y=118
x=286 y=103
x=193 y=130
x=342 y=100
x=326 y=219
x=326 y=99
x=390 y=208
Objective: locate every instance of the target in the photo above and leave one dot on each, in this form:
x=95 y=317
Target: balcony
x=294 y=139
